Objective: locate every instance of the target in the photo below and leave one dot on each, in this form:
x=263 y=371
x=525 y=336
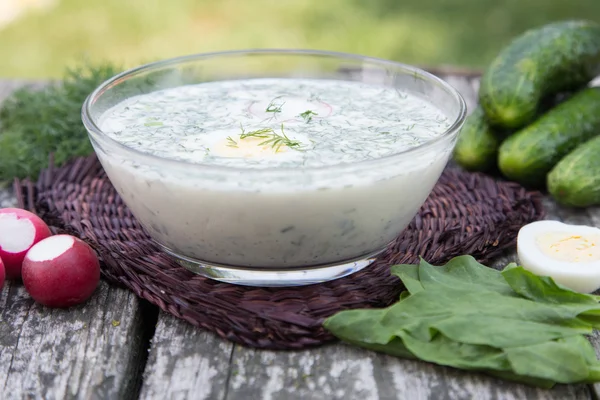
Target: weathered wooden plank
x=329 y=372
x=93 y=351
x=343 y=372
x=195 y=363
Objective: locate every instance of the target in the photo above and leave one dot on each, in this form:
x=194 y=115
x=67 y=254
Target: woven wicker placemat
x=467 y=213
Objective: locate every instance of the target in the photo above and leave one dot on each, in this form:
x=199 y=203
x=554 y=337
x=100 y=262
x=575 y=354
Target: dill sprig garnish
x=231 y=142
x=307 y=115
x=274 y=108
x=272 y=138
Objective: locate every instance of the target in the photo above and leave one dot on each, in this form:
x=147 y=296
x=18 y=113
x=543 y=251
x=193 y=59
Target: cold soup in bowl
x=274 y=167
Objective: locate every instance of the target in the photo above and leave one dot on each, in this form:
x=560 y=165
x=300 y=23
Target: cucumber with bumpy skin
x=557 y=57
x=575 y=180
x=477 y=146
x=478 y=143
x=529 y=154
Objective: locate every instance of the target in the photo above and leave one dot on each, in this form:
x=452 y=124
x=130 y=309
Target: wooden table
x=119 y=347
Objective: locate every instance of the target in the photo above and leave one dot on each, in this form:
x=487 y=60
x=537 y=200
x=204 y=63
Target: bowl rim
x=94 y=129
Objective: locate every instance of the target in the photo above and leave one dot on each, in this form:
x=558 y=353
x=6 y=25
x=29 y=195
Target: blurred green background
x=39 y=38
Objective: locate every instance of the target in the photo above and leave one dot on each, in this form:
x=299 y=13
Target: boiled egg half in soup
x=570 y=254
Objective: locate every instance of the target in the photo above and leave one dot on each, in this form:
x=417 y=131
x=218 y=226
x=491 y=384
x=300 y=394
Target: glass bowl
x=275 y=226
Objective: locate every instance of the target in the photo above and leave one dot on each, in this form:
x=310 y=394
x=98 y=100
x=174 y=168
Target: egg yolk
x=249 y=147
x=570 y=248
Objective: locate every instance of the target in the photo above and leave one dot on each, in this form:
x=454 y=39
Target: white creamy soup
x=228 y=216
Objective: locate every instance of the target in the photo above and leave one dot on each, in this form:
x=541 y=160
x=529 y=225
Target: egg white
x=579 y=268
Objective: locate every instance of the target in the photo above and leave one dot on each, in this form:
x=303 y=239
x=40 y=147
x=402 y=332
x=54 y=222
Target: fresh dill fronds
x=37 y=121
x=272 y=138
x=259 y=133
x=231 y=142
x=409 y=128
x=307 y=115
x=274 y=108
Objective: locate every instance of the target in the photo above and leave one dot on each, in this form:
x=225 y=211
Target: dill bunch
x=37 y=122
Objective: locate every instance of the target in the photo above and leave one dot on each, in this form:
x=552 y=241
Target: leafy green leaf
x=404 y=294
x=443 y=302
x=359 y=326
x=468 y=316
x=590 y=317
x=561 y=360
x=463 y=272
x=409 y=275
x=543 y=288
x=502 y=332
x=445 y=351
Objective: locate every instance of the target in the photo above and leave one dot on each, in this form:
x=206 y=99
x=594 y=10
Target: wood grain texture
x=186 y=363
x=343 y=372
x=93 y=351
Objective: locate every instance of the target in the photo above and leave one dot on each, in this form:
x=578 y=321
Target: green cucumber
x=575 y=180
x=562 y=56
x=529 y=154
x=477 y=145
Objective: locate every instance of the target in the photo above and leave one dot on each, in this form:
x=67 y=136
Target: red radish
x=19 y=230
x=2 y=274
x=61 y=271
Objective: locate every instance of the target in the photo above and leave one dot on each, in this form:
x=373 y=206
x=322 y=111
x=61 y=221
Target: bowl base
x=273 y=277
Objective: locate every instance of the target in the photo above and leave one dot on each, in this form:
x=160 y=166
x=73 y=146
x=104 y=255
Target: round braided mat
x=466 y=213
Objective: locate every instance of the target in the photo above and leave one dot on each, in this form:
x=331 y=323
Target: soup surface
x=263 y=123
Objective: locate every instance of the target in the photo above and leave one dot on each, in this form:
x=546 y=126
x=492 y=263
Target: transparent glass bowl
x=283 y=227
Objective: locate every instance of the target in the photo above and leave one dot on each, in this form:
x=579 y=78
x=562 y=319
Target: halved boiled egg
x=570 y=254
